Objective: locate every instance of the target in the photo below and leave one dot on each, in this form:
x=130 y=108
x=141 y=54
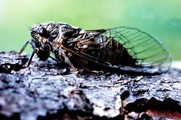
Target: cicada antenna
x=28 y=26
x=27 y=42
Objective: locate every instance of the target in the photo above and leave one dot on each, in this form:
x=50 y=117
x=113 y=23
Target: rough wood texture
x=41 y=92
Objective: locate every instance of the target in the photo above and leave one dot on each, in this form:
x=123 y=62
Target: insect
x=118 y=50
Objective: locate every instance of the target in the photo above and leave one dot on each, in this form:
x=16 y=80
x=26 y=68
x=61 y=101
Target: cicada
x=123 y=50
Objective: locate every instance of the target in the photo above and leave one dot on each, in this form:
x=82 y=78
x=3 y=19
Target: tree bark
x=41 y=91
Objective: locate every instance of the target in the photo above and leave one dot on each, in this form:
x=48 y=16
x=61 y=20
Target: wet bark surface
x=41 y=92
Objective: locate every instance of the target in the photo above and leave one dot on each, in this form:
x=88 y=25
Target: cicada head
x=50 y=31
x=45 y=32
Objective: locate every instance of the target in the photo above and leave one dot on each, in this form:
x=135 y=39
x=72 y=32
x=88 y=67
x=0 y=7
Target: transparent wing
x=151 y=55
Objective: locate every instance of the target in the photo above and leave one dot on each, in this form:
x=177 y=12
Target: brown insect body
x=101 y=49
x=113 y=50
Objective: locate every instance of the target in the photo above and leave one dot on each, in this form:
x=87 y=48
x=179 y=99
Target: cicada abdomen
x=140 y=52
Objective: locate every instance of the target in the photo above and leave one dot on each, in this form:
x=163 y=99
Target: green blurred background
x=160 y=18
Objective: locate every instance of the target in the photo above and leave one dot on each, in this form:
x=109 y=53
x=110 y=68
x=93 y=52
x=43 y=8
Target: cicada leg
x=24 y=46
x=96 y=72
x=35 y=50
x=31 y=57
x=22 y=49
x=62 y=53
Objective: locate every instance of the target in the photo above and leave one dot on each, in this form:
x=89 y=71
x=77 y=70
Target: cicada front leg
x=24 y=46
x=42 y=52
x=22 y=49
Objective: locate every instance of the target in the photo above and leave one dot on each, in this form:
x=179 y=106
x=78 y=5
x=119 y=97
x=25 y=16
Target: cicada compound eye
x=43 y=32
